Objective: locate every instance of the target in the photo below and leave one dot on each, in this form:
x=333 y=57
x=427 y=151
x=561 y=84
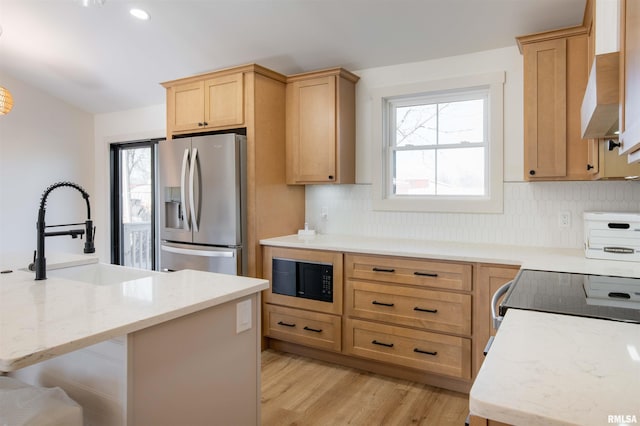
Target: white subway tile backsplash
x=530 y=215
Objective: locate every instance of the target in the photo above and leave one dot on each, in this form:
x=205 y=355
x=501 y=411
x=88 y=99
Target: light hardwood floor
x=302 y=391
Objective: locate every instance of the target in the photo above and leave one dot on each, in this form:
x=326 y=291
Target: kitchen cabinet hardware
x=376 y=269
x=425 y=274
x=619 y=295
x=388 y=345
x=286 y=324
x=589 y=167
x=431 y=311
x=532 y=172
x=375 y=302
x=315 y=330
x=420 y=351
x=330 y=177
x=202 y=124
x=611 y=145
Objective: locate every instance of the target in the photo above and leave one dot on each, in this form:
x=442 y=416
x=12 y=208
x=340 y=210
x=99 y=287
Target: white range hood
x=601 y=102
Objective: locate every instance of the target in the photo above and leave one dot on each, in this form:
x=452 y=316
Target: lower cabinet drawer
x=303 y=327
x=432 y=352
x=434 y=310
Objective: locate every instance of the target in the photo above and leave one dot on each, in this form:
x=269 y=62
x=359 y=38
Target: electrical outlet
x=564 y=219
x=324 y=213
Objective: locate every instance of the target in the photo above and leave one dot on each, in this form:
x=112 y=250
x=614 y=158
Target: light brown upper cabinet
x=209 y=103
x=555 y=78
x=630 y=79
x=320 y=127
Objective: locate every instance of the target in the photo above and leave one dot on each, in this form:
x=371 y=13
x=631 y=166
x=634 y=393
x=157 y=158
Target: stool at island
x=23 y=404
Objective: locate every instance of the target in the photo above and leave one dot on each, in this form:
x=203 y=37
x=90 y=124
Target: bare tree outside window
x=439 y=147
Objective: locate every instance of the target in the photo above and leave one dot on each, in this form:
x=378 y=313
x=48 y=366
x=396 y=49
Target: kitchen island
x=549 y=369
x=179 y=348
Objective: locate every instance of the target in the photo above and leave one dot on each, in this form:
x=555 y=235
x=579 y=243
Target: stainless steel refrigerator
x=202 y=203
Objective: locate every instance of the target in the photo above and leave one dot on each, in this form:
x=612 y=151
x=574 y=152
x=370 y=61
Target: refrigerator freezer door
x=175 y=257
x=216 y=180
x=174 y=157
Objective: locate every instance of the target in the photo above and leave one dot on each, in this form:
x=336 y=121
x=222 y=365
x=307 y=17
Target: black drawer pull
x=420 y=351
x=286 y=324
x=425 y=274
x=431 y=311
x=375 y=302
x=388 y=345
x=619 y=295
x=375 y=269
x=317 y=330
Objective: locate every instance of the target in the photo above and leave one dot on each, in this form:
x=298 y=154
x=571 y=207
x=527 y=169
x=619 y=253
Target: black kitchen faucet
x=40 y=262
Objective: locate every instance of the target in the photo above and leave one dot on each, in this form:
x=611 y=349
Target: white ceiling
x=101 y=59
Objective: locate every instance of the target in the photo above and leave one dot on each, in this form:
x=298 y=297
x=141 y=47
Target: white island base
x=193 y=370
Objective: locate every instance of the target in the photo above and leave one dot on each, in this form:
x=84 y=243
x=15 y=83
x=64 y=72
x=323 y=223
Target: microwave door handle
x=497 y=320
x=192 y=202
x=183 y=190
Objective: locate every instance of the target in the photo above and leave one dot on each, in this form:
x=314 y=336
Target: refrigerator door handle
x=203 y=253
x=192 y=201
x=183 y=201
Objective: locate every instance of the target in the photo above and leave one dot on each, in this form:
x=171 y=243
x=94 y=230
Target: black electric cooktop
x=594 y=296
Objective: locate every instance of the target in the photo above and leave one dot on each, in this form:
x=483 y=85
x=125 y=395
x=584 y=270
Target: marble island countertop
x=539 y=258
x=548 y=369
x=42 y=319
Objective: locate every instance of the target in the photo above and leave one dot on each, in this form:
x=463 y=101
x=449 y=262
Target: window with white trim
x=440 y=146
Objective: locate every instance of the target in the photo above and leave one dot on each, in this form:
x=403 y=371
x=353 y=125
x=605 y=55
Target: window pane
x=414 y=172
x=461 y=122
x=461 y=171
x=135 y=190
x=416 y=125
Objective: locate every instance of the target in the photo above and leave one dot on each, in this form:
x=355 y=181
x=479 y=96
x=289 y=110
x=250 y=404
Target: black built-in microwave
x=310 y=280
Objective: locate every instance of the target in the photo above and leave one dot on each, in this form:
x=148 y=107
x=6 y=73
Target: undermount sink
x=100 y=273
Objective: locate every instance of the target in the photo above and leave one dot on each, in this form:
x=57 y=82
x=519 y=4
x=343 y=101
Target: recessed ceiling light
x=140 y=14
x=89 y=3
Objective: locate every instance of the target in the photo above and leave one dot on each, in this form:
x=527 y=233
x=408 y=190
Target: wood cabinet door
x=224 y=101
x=630 y=79
x=185 y=104
x=311 y=130
x=545 y=109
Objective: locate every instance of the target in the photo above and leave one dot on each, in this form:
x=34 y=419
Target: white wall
x=507 y=59
x=530 y=215
x=118 y=127
x=531 y=210
x=42 y=141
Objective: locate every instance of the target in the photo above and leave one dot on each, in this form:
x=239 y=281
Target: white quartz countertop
x=548 y=369
x=539 y=258
x=42 y=319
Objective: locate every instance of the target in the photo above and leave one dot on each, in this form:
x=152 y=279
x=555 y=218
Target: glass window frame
x=384 y=198
x=390 y=116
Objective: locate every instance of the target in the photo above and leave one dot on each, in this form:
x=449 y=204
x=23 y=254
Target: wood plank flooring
x=301 y=391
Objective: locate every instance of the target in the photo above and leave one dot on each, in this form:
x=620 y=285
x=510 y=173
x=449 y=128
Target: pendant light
x=6 y=101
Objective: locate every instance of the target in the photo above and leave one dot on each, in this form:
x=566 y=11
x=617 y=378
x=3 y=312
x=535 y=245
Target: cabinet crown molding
x=523 y=40
x=341 y=72
x=255 y=68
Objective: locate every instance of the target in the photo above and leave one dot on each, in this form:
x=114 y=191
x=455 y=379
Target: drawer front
x=418 y=272
x=432 y=352
x=303 y=327
x=433 y=310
